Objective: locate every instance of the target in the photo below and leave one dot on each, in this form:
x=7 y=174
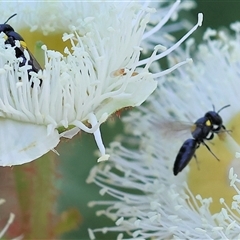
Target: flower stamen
x=176 y=45
x=9 y=222
x=163 y=21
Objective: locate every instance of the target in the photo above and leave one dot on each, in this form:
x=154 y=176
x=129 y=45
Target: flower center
x=209 y=177
x=53 y=41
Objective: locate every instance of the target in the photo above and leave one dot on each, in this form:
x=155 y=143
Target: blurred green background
x=76 y=156
x=76 y=160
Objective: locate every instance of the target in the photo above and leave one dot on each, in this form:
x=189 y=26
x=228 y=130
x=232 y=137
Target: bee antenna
x=213 y=107
x=10 y=17
x=223 y=108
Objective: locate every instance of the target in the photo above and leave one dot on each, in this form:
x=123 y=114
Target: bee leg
x=210 y=150
x=224 y=130
x=195 y=156
x=197 y=162
x=210 y=137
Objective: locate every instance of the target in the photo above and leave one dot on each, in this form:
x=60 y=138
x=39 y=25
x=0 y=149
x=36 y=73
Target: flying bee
x=203 y=129
x=10 y=38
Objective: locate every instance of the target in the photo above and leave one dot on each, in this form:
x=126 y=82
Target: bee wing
x=174 y=128
x=35 y=66
x=35 y=63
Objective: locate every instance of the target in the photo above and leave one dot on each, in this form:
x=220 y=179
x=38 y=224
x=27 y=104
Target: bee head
x=214 y=118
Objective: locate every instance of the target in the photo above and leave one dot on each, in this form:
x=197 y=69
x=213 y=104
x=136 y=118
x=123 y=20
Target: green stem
x=34 y=182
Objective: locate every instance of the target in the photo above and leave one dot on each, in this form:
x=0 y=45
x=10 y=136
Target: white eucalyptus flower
x=100 y=74
x=150 y=202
